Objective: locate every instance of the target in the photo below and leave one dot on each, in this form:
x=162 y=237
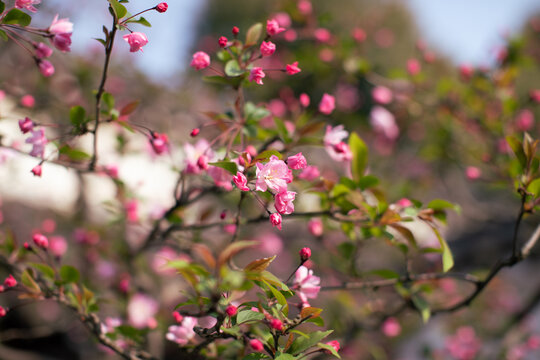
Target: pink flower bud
x=28 y=101
x=466 y=72
x=283 y=202
x=322 y=35
x=473 y=173
x=304 y=100
x=327 y=104
x=334 y=344
x=240 y=181
x=3 y=312
x=2 y=288
x=10 y=281
x=202 y=162
x=177 y=317
x=404 y=202
x=132 y=210
x=256 y=345
x=391 y=327
x=382 y=95
x=41 y=240
x=315 y=227
x=62 y=42
x=194 y=132
x=250 y=149
x=276 y=324
x=160 y=143
x=58 y=246
x=235 y=30
x=267 y=48
x=27 y=246
x=275 y=220
x=43 y=51
x=46 y=68
x=223 y=214
x=222 y=41
x=297 y=161
x=304 y=6
x=26 y=125
x=305 y=254
x=257 y=74
x=136 y=41
x=359 y=35
x=200 y=60
x=413 y=67
x=229 y=228
x=273 y=28
x=162 y=7
x=37 y=170
x=525 y=120
x=27 y=4
x=231 y=310
x=293 y=68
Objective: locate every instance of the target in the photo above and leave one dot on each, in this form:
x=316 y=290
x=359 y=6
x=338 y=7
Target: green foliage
x=360 y=156
x=119 y=10
x=17 y=17
x=69 y=274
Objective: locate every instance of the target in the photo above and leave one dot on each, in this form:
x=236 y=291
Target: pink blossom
x=270 y=243
x=256 y=345
x=194 y=132
x=222 y=177
x=359 y=35
x=290 y=35
x=304 y=100
x=62 y=42
x=27 y=4
x=60 y=26
x=58 y=245
x=335 y=344
x=240 y=181
x=306 y=284
x=413 y=67
x=429 y=57
x=297 y=161
x=200 y=60
x=159 y=142
x=404 y=202
x=162 y=7
x=464 y=345
x=141 y=310
x=222 y=41
x=177 y=316
x=132 y=210
x=466 y=72
x=275 y=220
x=41 y=240
x=525 y=120
x=283 y=202
x=293 y=68
x=235 y=30
x=327 y=104
x=45 y=68
x=473 y=173
x=304 y=6
x=267 y=48
x=384 y=123
x=182 y=334
x=276 y=324
x=322 y=35
x=37 y=170
x=160 y=260
x=202 y=162
x=273 y=28
x=26 y=125
x=391 y=327
x=382 y=95
x=136 y=41
x=274 y=175
x=305 y=254
x=310 y=173
x=257 y=74
x=229 y=228
x=283 y=19
x=43 y=51
x=336 y=148
x=3 y=312
x=194 y=152
x=10 y=281
x=38 y=141
x=28 y=101
x=231 y=310
x=315 y=227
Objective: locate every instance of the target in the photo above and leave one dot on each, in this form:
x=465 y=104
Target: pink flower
x=257 y=74
x=28 y=101
x=10 y=281
x=304 y=6
x=283 y=202
x=274 y=175
x=229 y=228
x=256 y=345
x=297 y=161
x=466 y=72
x=464 y=345
x=336 y=148
x=473 y=173
x=306 y=284
x=222 y=177
x=62 y=42
x=37 y=170
x=231 y=310
x=276 y=324
x=132 y=210
x=159 y=142
x=43 y=51
x=235 y=30
x=335 y=344
x=359 y=35
x=382 y=95
x=310 y=173
x=305 y=254
x=383 y=122
x=177 y=316
x=184 y=333
x=293 y=68
x=194 y=132
x=136 y=41
x=525 y=120
x=3 y=312
x=240 y=181
x=304 y=100
x=327 y=104
x=273 y=28
x=194 y=152
x=315 y=227
x=27 y=4
x=162 y=7
x=404 y=202
x=26 y=125
x=200 y=60
x=58 y=245
x=322 y=35
x=141 y=310
x=41 y=240
x=45 y=68
x=391 y=327
x=38 y=141
x=275 y=220
x=222 y=42
x=62 y=26
x=413 y=67
x=267 y=48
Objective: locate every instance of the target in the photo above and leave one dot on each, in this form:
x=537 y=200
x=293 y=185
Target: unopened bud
x=194 y=132
x=305 y=254
x=162 y=7
x=235 y=30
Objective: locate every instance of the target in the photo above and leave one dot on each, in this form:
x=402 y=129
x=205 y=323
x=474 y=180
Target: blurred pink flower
x=222 y=178
x=391 y=327
x=306 y=284
x=182 y=334
x=315 y=227
x=413 y=67
x=159 y=142
x=273 y=28
x=464 y=345
x=26 y=125
x=293 y=68
x=43 y=51
x=525 y=120
x=359 y=35
x=335 y=147
x=257 y=74
x=240 y=181
x=28 y=101
x=297 y=161
x=200 y=60
x=141 y=310
x=270 y=243
x=38 y=141
x=384 y=123
x=382 y=95
x=304 y=100
x=136 y=41
x=132 y=210
x=322 y=35
x=27 y=4
x=473 y=173
x=45 y=68
x=327 y=104
x=194 y=152
x=304 y=6
x=58 y=245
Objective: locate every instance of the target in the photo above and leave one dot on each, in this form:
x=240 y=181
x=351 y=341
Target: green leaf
x=447 y=258
x=301 y=344
x=46 y=270
x=248 y=315
x=256 y=356
x=28 y=280
x=108 y=98
x=360 y=156
x=279 y=297
x=232 y=68
x=141 y=21
x=385 y=273
x=265 y=156
x=329 y=348
x=253 y=34
x=439 y=205
x=119 y=9
x=318 y=321
x=77 y=116
x=517 y=148
x=16 y=16
x=227 y=165
x=368 y=181
x=255 y=113
x=234 y=249
x=259 y=265
x=284 y=357
x=69 y=274
x=423 y=307
x=3 y=35
x=216 y=79
x=74 y=154
x=534 y=188
x=2 y=6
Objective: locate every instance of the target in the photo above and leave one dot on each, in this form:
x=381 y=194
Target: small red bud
x=222 y=41
x=223 y=214
x=195 y=132
x=162 y=7
x=37 y=170
x=177 y=317
x=256 y=344
x=3 y=312
x=305 y=254
x=10 y=281
x=231 y=310
x=41 y=240
x=276 y=324
x=235 y=30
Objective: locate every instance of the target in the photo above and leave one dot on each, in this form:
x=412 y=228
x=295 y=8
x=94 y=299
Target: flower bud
x=305 y=254
x=231 y=310
x=10 y=281
x=275 y=220
x=194 y=132
x=162 y=7
x=177 y=317
x=37 y=170
x=3 y=312
x=41 y=240
x=256 y=345
x=235 y=30
x=276 y=324
x=222 y=41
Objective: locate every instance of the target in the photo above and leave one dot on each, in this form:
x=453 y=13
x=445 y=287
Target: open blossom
x=193 y=153
x=275 y=220
x=61 y=30
x=141 y=310
x=159 y=142
x=38 y=141
x=26 y=125
x=267 y=48
x=382 y=95
x=297 y=161
x=283 y=202
x=336 y=148
x=306 y=284
x=274 y=175
x=200 y=60
x=257 y=74
x=136 y=41
x=293 y=68
x=182 y=334
x=240 y=181
x=327 y=104
x=310 y=173
x=27 y=4
x=222 y=177
x=383 y=122
x=45 y=68
x=273 y=28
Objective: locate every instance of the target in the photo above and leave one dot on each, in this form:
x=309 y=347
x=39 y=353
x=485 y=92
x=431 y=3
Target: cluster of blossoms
x=37 y=139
